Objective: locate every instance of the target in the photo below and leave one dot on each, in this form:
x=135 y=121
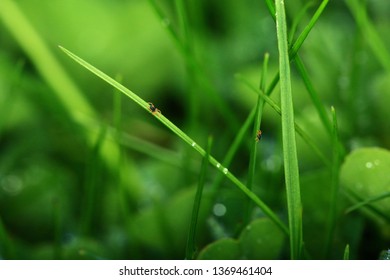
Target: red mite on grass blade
x=258 y=135
x=153 y=109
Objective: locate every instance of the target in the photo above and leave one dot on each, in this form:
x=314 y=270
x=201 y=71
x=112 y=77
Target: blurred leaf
x=261 y=239
x=223 y=249
x=75 y=249
x=365 y=174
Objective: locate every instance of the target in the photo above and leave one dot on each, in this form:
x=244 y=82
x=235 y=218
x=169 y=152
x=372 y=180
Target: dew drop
x=369 y=164
x=12 y=184
x=218 y=165
x=193 y=144
x=219 y=209
x=225 y=170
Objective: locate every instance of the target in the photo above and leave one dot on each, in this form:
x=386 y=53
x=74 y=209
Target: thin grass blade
x=288 y=136
x=346 y=252
x=255 y=129
x=298 y=129
x=191 y=239
x=335 y=171
x=372 y=36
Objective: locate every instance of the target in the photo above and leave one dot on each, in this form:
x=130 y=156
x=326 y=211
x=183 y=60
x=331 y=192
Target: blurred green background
x=86 y=173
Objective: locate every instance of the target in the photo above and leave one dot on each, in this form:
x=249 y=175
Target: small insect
x=258 y=136
x=153 y=109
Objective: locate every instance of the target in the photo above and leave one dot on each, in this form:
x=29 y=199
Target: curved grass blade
x=160 y=117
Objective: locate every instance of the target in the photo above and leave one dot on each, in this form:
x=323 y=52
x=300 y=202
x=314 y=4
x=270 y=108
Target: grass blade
x=367 y=202
x=315 y=99
x=346 y=252
x=302 y=37
x=293 y=55
x=298 y=129
x=267 y=211
x=334 y=185
x=372 y=36
x=288 y=136
x=240 y=136
x=256 y=127
x=190 y=249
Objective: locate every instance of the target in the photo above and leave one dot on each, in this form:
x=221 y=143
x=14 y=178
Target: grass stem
x=294 y=204
x=190 y=248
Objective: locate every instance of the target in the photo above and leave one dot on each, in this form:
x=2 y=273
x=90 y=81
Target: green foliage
x=88 y=174
x=260 y=240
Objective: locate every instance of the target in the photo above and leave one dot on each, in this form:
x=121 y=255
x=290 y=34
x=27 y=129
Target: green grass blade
x=160 y=117
x=256 y=127
x=302 y=37
x=183 y=24
x=191 y=249
x=92 y=179
x=313 y=95
x=371 y=209
x=288 y=136
x=256 y=124
x=298 y=129
x=117 y=108
x=189 y=57
x=372 y=36
x=346 y=252
x=271 y=8
x=367 y=202
x=297 y=19
x=240 y=136
x=334 y=185
x=293 y=55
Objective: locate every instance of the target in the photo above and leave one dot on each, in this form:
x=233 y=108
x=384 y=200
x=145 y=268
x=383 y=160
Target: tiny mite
x=258 y=136
x=153 y=109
